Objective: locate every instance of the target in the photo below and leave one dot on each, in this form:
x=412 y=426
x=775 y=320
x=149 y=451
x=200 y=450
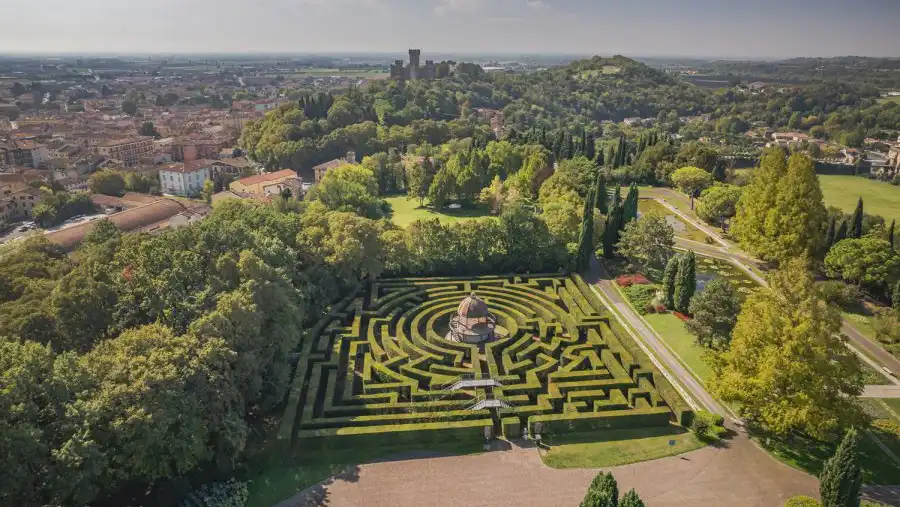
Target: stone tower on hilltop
x=414 y=70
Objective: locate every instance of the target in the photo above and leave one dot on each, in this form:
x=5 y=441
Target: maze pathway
x=378 y=366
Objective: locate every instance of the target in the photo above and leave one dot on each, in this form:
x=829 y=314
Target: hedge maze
x=378 y=368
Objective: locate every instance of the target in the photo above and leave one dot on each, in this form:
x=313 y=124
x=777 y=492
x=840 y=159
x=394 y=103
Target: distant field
x=889 y=99
x=373 y=73
x=879 y=198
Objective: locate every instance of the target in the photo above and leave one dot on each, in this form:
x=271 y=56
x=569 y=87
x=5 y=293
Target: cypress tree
x=590 y=147
x=718 y=172
x=857 y=220
x=895 y=302
x=617 y=196
x=841 y=233
x=631 y=499
x=620 y=152
x=669 y=278
x=610 y=155
x=829 y=234
x=839 y=484
x=586 y=237
x=685 y=282
x=606 y=485
x=601 y=196
x=891 y=234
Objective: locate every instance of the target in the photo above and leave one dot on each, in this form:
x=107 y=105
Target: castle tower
x=414 y=55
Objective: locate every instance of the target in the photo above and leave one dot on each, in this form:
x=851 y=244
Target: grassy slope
x=879 y=198
x=619 y=447
x=407 y=211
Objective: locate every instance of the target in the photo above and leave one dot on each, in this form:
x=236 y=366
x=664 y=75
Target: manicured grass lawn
x=682 y=229
x=879 y=198
x=618 y=447
x=406 y=211
x=278 y=475
x=862 y=323
x=894 y=405
x=809 y=455
x=672 y=331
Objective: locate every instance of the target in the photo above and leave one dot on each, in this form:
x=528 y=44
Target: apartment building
x=129 y=150
x=185 y=178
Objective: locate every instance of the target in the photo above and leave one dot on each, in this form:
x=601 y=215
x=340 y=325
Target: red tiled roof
x=261 y=178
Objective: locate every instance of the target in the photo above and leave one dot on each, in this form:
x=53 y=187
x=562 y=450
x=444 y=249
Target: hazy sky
x=763 y=28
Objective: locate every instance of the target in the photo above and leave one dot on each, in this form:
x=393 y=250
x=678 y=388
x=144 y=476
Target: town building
x=17 y=200
x=414 y=70
x=25 y=153
x=322 y=169
x=268 y=184
x=129 y=150
x=185 y=178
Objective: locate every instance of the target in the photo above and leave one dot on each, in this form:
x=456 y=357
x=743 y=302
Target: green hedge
x=590 y=421
x=463 y=432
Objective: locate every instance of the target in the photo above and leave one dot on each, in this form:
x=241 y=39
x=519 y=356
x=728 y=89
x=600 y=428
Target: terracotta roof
x=128 y=220
x=119 y=142
x=331 y=164
x=187 y=167
x=264 y=177
x=234 y=162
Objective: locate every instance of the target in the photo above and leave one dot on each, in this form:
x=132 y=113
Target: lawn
x=619 y=447
x=682 y=229
x=879 y=198
x=277 y=475
x=406 y=211
x=671 y=329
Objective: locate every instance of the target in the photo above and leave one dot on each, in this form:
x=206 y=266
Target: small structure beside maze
x=403 y=361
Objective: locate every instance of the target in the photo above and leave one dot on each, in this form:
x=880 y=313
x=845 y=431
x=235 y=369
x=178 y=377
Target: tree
x=841 y=479
x=443 y=185
x=418 y=180
x=129 y=108
x=802 y=501
x=895 y=301
x=349 y=188
x=149 y=129
x=857 y=220
x=788 y=364
x=586 y=236
x=649 y=241
x=669 y=278
x=494 y=196
x=868 y=261
x=18 y=89
x=107 y=182
x=601 y=196
x=781 y=214
x=841 y=233
x=209 y=188
x=631 y=499
x=685 y=282
x=602 y=492
x=719 y=202
x=830 y=233
x=691 y=181
x=103 y=231
x=890 y=237
x=714 y=312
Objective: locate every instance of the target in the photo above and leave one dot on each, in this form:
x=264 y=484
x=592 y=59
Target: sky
x=703 y=28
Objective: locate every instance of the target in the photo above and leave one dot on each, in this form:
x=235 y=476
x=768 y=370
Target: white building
x=186 y=178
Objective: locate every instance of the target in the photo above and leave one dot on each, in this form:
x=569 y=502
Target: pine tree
x=631 y=499
x=839 y=484
x=601 y=198
x=857 y=220
x=604 y=486
x=891 y=234
x=669 y=277
x=841 y=233
x=685 y=282
x=586 y=236
x=829 y=233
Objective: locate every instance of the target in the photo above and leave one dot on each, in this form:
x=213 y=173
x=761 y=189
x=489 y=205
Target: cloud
x=458 y=6
x=498 y=8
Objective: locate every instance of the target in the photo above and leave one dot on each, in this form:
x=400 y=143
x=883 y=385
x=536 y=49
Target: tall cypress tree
x=841 y=233
x=617 y=196
x=891 y=234
x=829 y=234
x=590 y=147
x=601 y=196
x=669 y=278
x=895 y=302
x=857 y=220
x=685 y=282
x=586 y=237
x=839 y=484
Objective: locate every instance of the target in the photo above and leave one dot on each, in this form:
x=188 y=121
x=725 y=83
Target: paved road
x=881 y=392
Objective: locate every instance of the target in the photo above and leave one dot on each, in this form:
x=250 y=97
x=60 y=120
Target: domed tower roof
x=473 y=307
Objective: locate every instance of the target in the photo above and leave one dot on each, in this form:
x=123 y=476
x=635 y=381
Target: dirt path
x=738 y=475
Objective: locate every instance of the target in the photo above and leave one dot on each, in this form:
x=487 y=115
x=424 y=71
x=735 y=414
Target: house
x=129 y=150
x=23 y=152
x=230 y=166
x=788 y=138
x=321 y=169
x=153 y=217
x=17 y=201
x=266 y=184
x=185 y=178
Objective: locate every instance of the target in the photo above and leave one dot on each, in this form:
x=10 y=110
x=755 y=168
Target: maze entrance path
x=378 y=369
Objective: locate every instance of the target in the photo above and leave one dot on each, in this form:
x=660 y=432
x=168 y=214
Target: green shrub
x=641 y=297
x=802 y=501
x=231 y=493
x=707 y=425
x=843 y=295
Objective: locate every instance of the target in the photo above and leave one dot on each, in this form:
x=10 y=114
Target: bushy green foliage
x=218 y=494
x=714 y=313
x=841 y=478
x=802 y=501
x=642 y=296
x=707 y=425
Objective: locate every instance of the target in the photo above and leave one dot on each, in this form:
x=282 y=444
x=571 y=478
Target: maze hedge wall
x=378 y=369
